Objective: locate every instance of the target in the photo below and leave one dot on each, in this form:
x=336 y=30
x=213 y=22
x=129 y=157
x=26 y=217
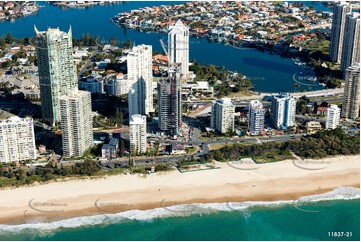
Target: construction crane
x=163 y=46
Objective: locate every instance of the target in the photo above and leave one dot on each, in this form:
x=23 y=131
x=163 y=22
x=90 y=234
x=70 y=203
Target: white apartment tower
x=256 y=114
x=351 y=41
x=76 y=123
x=222 y=116
x=138 y=133
x=178 y=46
x=337 y=31
x=283 y=110
x=333 y=117
x=140 y=78
x=17 y=140
x=351 y=95
x=57 y=71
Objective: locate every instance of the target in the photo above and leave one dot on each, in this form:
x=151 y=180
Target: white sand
x=273 y=181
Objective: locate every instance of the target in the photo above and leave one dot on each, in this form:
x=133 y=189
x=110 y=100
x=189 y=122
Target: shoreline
x=76 y=198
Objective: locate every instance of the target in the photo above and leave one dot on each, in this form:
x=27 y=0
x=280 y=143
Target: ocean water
x=309 y=218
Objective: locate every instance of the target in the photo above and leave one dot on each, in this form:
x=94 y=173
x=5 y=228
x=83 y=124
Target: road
x=317 y=26
x=89 y=61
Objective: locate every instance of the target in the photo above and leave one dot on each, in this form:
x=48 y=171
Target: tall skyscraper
x=283 y=110
x=351 y=41
x=351 y=95
x=337 y=31
x=333 y=117
x=140 y=77
x=57 y=71
x=17 y=140
x=178 y=46
x=256 y=117
x=169 y=102
x=222 y=116
x=138 y=133
x=76 y=123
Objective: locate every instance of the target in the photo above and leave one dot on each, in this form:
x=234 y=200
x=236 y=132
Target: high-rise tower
x=57 y=71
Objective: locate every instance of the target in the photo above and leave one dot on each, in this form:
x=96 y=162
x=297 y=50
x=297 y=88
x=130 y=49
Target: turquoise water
x=268 y=73
x=308 y=221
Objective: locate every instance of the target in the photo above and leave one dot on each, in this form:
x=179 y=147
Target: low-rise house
x=178 y=149
x=160 y=59
x=109 y=151
x=313 y=127
x=322 y=111
x=91 y=85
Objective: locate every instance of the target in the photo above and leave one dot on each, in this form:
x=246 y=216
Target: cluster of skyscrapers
x=345 y=36
x=61 y=101
x=282 y=113
x=140 y=94
x=345 y=50
x=65 y=106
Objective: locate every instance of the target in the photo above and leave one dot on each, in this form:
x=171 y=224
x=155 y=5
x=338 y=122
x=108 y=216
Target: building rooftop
x=138 y=119
x=5 y=115
x=113 y=142
x=225 y=101
x=255 y=104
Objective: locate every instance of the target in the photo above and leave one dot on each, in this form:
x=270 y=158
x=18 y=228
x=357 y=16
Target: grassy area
x=191 y=150
x=322 y=46
x=272 y=156
x=46 y=175
x=241 y=94
x=322 y=144
x=28 y=180
x=216 y=146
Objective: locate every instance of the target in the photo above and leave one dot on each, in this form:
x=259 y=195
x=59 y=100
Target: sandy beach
x=233 y=182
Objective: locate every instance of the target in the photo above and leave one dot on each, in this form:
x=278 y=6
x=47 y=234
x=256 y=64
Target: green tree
x=9 y=38
x=113 y=41
x=122 y=147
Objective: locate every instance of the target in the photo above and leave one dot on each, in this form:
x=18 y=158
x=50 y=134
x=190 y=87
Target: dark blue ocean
x=268 y=72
